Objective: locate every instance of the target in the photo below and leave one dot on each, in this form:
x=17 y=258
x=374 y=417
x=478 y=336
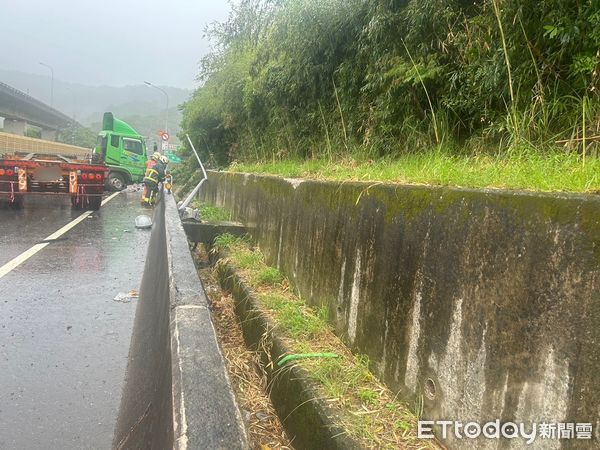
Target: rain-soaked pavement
x=63 y=338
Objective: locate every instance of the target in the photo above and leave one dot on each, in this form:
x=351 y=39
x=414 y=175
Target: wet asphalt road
x=63 y=339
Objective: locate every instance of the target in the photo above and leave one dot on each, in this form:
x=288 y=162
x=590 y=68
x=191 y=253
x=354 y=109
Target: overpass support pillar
x=15 y=126
x=49 y=135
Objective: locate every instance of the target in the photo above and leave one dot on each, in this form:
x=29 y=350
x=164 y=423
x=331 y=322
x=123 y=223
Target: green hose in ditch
x=293 y=357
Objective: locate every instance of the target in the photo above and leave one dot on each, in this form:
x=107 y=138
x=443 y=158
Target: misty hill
x=142 y=106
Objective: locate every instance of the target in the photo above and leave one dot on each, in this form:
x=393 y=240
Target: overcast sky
x=108 y=42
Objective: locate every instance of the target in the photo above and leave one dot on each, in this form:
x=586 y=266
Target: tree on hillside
x=307 y=78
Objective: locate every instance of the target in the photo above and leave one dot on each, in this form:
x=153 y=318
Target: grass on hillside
x=369 y=412
x=529 y=170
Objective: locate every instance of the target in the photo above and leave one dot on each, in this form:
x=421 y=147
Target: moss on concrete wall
x=485 y=303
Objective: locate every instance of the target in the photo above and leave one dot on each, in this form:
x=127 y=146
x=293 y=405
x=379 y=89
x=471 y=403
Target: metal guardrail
x=190 y=197
x=12 y=144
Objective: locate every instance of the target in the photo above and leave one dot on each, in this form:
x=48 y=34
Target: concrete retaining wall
x=485 y=304
x=177 y=394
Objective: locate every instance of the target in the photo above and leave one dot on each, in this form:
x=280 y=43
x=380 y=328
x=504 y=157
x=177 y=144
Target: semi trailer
x=34 y=166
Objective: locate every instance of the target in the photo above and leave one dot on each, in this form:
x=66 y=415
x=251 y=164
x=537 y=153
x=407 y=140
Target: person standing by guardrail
x=155 y=172
x=168 y=178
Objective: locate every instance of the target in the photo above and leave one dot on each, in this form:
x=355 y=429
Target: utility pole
x=167 y=107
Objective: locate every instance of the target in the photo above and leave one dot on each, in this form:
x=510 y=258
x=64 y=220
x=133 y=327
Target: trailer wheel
x=94 y=203
x=17 y=203
x=116 y=181
x=74 y=203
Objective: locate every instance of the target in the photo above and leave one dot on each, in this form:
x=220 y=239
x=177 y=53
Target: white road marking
x=17 y=261
x=109 y=198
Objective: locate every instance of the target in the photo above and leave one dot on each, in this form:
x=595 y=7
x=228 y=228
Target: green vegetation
x=368 y=411
x=210 y=213
x=228 y=242
x=489 y=88
x=368 y=395
x=33 y=133
x=556 y=171
x=72 y=135
x=79 y=136
x=269 y=276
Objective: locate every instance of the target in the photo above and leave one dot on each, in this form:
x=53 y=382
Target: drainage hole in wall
x=429 y=389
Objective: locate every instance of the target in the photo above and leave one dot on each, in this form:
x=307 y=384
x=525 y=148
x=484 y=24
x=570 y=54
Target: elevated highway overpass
x=21 y=110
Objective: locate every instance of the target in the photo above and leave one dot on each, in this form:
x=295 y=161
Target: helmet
x=164 y=159
x=156 y=156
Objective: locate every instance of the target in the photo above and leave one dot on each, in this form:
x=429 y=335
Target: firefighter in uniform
x=155 y=172
x=168 y=178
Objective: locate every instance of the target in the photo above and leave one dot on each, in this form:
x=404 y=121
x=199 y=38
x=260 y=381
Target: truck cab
x=123 y=150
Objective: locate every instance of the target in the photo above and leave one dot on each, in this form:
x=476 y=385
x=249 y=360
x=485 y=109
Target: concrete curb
x=307 y=419
x=176 y=393
x=205 y=414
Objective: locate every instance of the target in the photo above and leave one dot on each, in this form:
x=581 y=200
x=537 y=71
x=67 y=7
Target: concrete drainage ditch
x=307 y=418
x=177 y=393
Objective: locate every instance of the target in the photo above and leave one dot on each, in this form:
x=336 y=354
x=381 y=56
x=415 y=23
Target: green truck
x=123 y=150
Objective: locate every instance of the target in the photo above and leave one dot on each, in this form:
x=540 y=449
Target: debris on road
x=126 y=298
x=143 y=221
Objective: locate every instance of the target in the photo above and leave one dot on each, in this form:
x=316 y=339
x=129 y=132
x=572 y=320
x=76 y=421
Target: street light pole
x=52 y=84
x=167 y=108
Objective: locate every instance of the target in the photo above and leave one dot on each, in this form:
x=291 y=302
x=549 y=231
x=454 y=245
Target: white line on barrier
x=17 y=261
x=184 y=307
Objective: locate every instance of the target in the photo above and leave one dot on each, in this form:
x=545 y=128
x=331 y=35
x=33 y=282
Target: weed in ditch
x=248 y=260
x=229 y=242
x=211 y=213
x=268 y=276
x=368 y=411
x=293 y=316
x=368 y=395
